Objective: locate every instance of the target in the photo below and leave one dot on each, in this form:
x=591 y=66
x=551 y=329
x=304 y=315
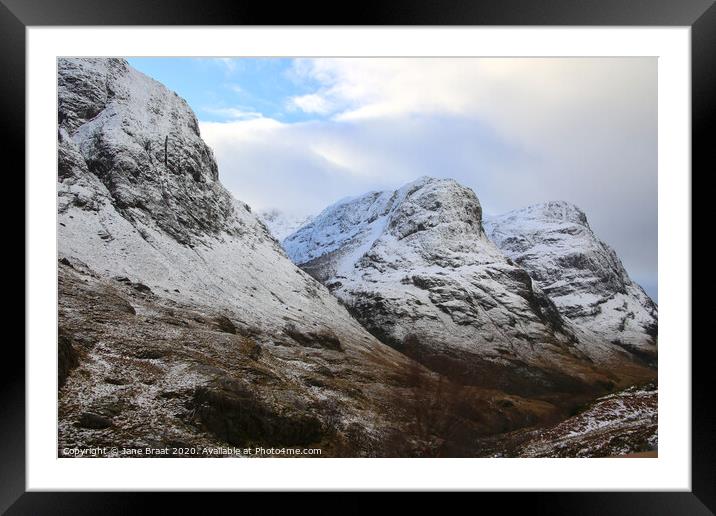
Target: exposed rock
x=124 y=129
x=618 y=424
x=120 y=303
x=139 y=198
x=225 y=324
x=379 y=388
x=140 y=287
x=140 y=208
x=321 y=339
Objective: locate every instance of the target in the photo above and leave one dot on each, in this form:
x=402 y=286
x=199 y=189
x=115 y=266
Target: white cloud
x=311 y=103
x=234 y=113
x=517 y=131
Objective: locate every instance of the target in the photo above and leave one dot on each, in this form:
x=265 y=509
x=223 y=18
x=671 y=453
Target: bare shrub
x=443 y=416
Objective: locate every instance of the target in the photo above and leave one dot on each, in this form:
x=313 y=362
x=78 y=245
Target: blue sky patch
x=224 y=89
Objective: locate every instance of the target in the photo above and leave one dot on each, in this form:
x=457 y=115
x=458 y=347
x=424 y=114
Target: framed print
x=419 y=250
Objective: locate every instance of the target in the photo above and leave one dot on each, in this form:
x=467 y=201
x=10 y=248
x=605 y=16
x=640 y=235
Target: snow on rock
x=580 y=273
x=417 y=269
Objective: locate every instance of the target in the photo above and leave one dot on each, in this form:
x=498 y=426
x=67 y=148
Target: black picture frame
x=700 y=15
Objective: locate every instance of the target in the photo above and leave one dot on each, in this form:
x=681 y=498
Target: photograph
x=360 y=257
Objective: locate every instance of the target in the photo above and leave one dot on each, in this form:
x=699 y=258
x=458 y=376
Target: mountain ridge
x=417 y=268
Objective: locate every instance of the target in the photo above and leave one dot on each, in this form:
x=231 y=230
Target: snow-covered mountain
x=417 y=269
x=282 y=224
x=580 y=273
x=139 y=197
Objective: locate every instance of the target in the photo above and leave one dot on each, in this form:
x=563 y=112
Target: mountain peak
x=182 y=321
x=418 y=206
x=158 y=261
x=428 y=180
x=142 y=142
x=282 y=224
x=580 y=273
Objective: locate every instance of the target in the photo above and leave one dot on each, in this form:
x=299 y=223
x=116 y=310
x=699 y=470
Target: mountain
x=282 y=224
x=416 y=268
x=181 y=320
x=580 y=273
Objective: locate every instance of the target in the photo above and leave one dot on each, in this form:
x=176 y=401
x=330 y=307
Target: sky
x=300 y=134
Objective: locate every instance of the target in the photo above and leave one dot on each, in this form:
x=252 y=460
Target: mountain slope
x=417 y=269
x=580 y=273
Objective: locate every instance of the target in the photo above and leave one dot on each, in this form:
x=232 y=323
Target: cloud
x=311 y=103
x=517 y=131
x=233 y=113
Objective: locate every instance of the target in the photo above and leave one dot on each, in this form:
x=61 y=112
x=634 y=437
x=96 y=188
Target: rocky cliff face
x=142 y=143
x=580 y=273
x=417 y=269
